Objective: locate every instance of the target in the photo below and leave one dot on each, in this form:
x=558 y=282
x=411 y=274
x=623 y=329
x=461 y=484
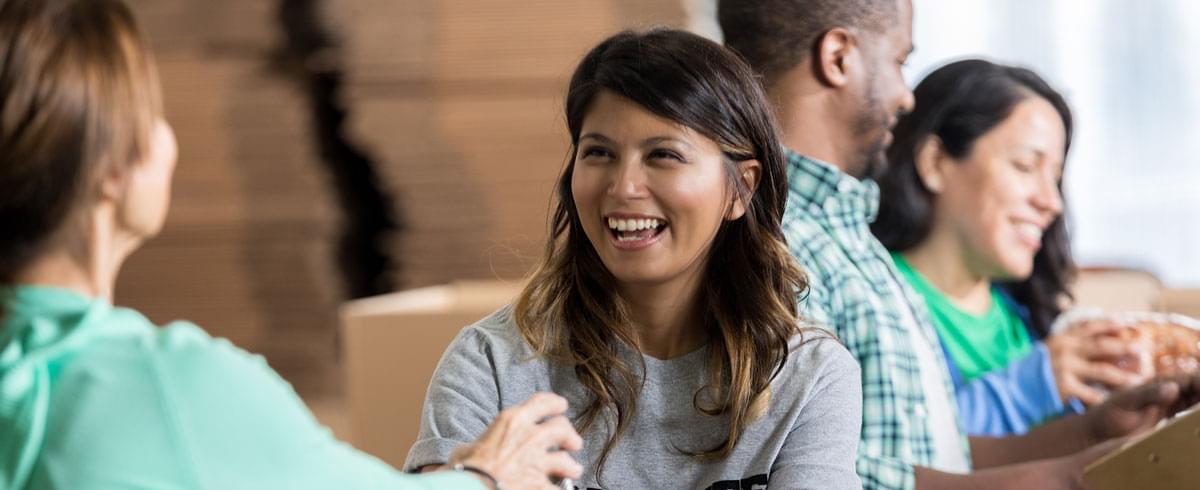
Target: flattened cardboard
x=1167 y=458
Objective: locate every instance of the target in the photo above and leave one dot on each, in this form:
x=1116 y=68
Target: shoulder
x=495 y=335
x=818 y=351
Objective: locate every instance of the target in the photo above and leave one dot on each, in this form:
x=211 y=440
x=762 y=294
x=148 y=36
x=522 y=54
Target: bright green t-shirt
x=97 y=397
x=977 y=344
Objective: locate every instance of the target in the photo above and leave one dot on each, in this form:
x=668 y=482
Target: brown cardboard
x=1167 y=458
x=392 y=344
x=1118 y=290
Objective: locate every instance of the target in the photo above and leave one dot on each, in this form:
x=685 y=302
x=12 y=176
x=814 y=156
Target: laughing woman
x=664 y=309
x=972 y=210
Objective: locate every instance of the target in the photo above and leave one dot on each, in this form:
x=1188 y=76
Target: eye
x=659 y=154
x=1022 y=166
x=595 y=152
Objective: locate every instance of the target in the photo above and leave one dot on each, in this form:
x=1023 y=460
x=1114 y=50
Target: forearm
x=1037 y=474
x=1056 y=438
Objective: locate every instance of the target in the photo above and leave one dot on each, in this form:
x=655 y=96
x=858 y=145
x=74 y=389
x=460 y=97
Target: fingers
x=538 y=407
x=558 y=432
x=1088 y=395
x=1162 y=393
x=1108 y=374
x=1108 y=347
x=560 y=464
x=1096 y=327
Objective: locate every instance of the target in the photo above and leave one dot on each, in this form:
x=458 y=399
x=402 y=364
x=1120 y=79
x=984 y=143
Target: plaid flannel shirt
x=853 y=289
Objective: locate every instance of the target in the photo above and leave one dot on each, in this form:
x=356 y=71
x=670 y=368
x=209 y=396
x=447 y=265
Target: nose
x=907 y=100
x=628 y=180
x=1048 y=197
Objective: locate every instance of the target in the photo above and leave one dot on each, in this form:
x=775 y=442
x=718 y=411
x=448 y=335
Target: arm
x=1125 y=413
x=1014 y=399
x=242 y=426
x=820 y=449
x=880 y=461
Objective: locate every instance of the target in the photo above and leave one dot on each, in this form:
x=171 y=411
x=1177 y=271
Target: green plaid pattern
x=853 y=289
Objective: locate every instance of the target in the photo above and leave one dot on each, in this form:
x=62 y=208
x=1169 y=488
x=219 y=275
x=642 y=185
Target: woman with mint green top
x=971 y=208
x=96 y=396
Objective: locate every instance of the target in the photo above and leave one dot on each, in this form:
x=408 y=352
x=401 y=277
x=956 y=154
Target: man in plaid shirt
x=833 y=69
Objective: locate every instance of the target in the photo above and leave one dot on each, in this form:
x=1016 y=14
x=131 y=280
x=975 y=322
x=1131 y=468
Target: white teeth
x=1030 y=230
x=633 y=224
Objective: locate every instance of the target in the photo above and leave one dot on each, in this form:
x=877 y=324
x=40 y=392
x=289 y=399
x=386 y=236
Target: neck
x=87 y=265
x=807 y=122
x=945 y=266
x=666 y=317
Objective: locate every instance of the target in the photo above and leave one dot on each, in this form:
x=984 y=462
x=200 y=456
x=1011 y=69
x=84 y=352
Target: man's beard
x=871 y=126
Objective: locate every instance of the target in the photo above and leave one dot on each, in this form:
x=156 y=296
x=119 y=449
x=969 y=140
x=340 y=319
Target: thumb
x=1154 y=393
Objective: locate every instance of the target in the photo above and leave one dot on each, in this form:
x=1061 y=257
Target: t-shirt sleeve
x=243 y=426
x=819 y=452
x=463 y=398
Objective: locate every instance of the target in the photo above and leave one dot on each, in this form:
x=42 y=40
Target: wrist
x=487 y=478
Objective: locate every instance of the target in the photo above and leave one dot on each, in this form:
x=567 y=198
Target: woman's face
x=148 y=190
x=650 y=193
x=1000 y=199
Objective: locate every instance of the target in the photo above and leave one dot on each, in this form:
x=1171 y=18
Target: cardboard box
x=1167 y=458
x=391 y=345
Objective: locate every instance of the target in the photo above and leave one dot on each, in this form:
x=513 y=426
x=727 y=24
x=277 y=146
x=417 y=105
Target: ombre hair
x=570 y=311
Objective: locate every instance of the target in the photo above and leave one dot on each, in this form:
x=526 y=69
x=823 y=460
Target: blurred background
x=339 y=149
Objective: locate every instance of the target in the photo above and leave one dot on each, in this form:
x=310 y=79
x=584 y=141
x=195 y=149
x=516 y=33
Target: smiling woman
x=664 y=309
x=972 y=210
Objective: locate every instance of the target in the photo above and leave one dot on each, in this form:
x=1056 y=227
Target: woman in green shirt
x=971 y=208
x=95 y=396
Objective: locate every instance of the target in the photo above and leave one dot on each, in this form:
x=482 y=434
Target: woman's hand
x=526 y=445
x=1131 y=411
x=1087 y=354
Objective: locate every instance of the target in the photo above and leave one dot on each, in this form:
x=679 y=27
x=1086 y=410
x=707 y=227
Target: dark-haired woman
x=972 y=210
x=665 y=306
x=94 y=396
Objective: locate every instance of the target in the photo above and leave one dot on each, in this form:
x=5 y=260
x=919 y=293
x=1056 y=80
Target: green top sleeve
x=131 y=405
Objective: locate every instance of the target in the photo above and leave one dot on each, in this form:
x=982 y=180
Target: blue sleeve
x=1014 y=399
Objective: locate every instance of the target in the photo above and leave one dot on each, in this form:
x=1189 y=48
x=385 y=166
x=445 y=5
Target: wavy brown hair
x=570 y=311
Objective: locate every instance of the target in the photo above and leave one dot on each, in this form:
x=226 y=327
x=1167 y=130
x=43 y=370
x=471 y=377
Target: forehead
x=898 y=35
x=618 y=116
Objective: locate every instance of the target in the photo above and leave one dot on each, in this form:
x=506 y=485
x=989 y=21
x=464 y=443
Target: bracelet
x=478 y=471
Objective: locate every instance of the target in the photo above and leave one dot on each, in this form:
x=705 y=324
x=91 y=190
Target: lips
x=634 y=232
x=1029 y=234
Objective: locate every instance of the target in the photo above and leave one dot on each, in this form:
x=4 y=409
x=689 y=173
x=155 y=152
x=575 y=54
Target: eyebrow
x=649 y=141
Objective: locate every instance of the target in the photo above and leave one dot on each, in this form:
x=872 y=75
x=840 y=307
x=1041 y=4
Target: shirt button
x=919 y=411
x=845 y=185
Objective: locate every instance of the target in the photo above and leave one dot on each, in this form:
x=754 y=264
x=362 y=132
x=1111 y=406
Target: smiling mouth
x=635 y=231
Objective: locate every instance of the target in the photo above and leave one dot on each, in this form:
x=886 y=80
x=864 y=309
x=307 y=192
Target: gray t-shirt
x=806 y=439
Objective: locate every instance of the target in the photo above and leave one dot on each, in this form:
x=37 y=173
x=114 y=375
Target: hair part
x=776 y=35
x=959 y=103
x=570 y=312
x=79 y=97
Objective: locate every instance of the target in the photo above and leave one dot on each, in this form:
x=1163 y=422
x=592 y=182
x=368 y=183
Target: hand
x=1067 y=471
x=1133 y=410
x=1083 y=355
x=521 y=447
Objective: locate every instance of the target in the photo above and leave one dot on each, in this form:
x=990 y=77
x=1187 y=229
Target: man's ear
x=749 y=173
x=834 y=55
x=931 y=161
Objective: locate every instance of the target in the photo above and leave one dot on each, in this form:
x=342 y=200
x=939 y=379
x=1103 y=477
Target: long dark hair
x=958 y=103
x=570 y=311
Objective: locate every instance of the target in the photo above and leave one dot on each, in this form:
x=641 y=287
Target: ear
x=749 y=172
x=931 y=161
x=114 y=183
x=834 y=55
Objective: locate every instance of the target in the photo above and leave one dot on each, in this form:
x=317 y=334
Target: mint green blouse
x=94 y=396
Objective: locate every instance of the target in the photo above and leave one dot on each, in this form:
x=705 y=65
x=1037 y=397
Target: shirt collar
x=813 y=182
